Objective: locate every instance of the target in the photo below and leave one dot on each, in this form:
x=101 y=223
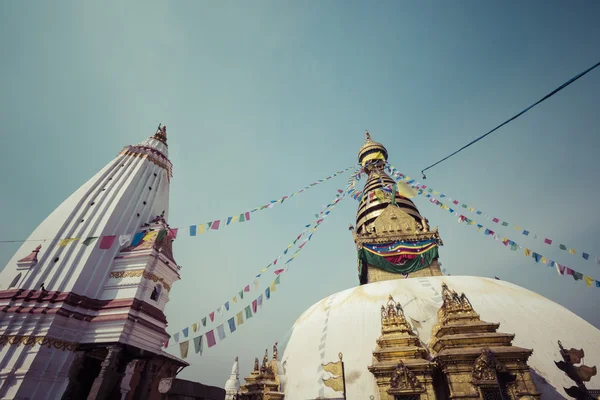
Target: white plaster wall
x=353 y=324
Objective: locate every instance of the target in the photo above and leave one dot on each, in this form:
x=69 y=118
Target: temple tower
x=401 y=364
x=85 y=309
x=477 y=361
x=392 y=238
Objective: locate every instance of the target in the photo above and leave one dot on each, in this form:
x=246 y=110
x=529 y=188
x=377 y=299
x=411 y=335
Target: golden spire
x=161 y=134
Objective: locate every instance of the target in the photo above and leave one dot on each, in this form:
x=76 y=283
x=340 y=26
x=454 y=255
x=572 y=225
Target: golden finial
x=367 y=136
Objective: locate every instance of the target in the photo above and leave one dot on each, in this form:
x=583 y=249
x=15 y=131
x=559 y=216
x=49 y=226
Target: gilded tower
x=392 y=238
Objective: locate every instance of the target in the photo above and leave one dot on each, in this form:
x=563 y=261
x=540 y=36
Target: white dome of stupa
x=349 y=322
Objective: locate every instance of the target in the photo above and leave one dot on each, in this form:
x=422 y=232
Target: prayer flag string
x=422 y=190
x=106 y=242
x=252 y=308
x=525 y=232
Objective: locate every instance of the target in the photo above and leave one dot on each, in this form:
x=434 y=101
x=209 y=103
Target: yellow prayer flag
x=200 y=229
x=543 y=260
x=527 y=252
x=64 y=242
x=518 y=228
x=379 y=194
x=588 y=281
x=336 y=383
x=239 y=318
x=273 y=286
x=471 y=209
x=195 y=327
x=436 y=192
x=290 y=245
x=234 y=299
x=572 y=251
x=183 y=347
x=150 y=235
x=334 y=368
x=263 y=270
x=405 y=190
x=234 y=219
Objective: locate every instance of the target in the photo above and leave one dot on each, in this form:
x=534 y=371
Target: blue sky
x=263 y=98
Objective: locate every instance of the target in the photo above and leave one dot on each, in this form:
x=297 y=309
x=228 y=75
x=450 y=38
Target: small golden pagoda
x=400 y=362
x=263 y=382
x=477 y=361
x=392 y=238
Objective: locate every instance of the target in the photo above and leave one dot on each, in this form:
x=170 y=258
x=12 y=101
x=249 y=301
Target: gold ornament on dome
x=486 y=368
x=392 y=317
x=453 y=303
x=404 y=381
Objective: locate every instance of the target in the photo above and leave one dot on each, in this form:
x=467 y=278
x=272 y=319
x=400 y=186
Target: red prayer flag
x=247 y=215
x=254 y=305
x=340 y=191
x=247 y=288
x=212 y=316
x=215 y=225
x=277 y=272
x=210 y=338
x=548 y=241
x=455 y=201
x=166 y=343
x=106 y=242
x=173 y=233
x=302 y=245
x=496 y=220
x=569 y=271
x=275 y=262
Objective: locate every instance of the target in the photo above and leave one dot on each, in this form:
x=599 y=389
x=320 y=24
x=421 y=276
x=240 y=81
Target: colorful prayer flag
x=221 y=332
x=203 y=321
x=585 y=255
x=227 y=305
x=254 y=306
x=548 y=241
x=198 y=344
x=200 y=229
x=212 y=316
x=588 y=281
x=526 y=233
x=572 y=251
x=239 y=318
x=183 y=348
x=248 y=312
x=185 y=332
x=278 y=271
x=268 y=293
x=173 y=233
x=231 y=323
x=64 y=242
x=215 y=225
x=562 y=247
x=136 y=238
x=527 y=252
x=195 y=327
x=247 y=288
x=193 y=229
x=106 y=242
x=260 y=300
x=176 y=337
x=210 y=338
x=278 y=280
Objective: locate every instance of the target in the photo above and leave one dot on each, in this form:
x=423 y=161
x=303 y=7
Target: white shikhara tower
x=78 y=321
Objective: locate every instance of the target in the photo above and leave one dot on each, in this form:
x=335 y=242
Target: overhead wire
x=558 y=89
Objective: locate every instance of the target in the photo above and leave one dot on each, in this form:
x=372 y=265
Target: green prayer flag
x=464 y=206
x=242 y=218
x=161 y=235
x=248 y=312
x=209 y=224
x=278 y=280
x=562 y=247
x=514 y=247
x=89 y=240
x=505 y=224
x=204 y=321
x=241 y=294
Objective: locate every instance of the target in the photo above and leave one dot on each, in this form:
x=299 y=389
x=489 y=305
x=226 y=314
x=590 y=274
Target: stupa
x=408 y=332
x=83 y=316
